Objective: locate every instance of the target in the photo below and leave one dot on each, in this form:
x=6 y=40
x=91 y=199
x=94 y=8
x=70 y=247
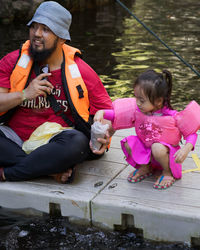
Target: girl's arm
x=103 y=115
x=107 y=114
x=182 y=153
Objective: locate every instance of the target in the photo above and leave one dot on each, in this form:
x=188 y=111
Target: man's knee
x=80 y=139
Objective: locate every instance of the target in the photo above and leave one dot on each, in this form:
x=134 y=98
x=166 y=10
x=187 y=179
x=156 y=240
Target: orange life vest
x=74 y=86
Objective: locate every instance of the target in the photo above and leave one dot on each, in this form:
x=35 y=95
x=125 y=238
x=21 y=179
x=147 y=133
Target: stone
x=6 y=11
x=20 y=10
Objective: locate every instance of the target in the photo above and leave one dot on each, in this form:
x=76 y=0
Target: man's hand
x=38 y=86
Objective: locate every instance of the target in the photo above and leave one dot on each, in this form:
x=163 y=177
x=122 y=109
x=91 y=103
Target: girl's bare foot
x=140 y=174
x=164 y=181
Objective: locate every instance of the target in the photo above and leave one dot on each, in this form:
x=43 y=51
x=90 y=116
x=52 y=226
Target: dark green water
x=118 y=48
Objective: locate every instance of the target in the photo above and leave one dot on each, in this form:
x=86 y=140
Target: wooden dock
x=101 y=196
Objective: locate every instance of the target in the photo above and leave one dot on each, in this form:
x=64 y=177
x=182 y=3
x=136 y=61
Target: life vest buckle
x=80 y=91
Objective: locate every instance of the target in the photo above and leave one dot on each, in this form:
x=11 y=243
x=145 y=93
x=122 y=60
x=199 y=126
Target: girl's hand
x=99 y=116
x=182 y=153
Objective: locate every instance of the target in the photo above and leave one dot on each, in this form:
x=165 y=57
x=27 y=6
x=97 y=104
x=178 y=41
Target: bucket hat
x=55 y=17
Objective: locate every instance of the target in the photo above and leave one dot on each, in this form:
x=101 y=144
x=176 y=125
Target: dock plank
x=102 y=195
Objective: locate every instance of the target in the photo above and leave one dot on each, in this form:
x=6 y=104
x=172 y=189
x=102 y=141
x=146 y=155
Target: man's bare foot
x=140 y=174
x=64 y=177
x=2 y=176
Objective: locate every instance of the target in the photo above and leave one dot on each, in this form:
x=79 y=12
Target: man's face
x=43 y=41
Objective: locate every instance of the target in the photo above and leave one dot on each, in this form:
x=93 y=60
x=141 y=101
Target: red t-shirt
x=32 y=113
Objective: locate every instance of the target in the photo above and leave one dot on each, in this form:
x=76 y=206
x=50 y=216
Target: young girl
x=158 y=127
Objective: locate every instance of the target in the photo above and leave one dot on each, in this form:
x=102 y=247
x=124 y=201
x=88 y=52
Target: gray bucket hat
x=55 y=17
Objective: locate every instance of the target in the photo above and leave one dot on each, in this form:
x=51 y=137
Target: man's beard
x=41 y=56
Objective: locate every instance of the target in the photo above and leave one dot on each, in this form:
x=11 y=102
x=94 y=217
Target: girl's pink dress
x=165 y=126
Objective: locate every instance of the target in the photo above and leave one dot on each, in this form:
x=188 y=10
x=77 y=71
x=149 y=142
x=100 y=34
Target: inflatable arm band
x=124 y=109
x=188 y=120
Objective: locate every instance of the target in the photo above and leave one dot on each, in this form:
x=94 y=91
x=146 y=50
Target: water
x=118 y=48
x=17 y=232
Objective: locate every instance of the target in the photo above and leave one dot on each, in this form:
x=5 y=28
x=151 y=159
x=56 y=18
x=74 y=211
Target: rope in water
x=150 y=31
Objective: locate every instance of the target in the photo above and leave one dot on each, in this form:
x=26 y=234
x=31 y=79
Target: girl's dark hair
x=156 y=85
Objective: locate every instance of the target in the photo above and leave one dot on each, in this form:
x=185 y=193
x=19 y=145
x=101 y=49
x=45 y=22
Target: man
x=29 y=98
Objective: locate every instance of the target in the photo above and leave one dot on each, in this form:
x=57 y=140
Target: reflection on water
x=118 y=48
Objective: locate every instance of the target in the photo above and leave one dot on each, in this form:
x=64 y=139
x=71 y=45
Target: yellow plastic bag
x=42 y=135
